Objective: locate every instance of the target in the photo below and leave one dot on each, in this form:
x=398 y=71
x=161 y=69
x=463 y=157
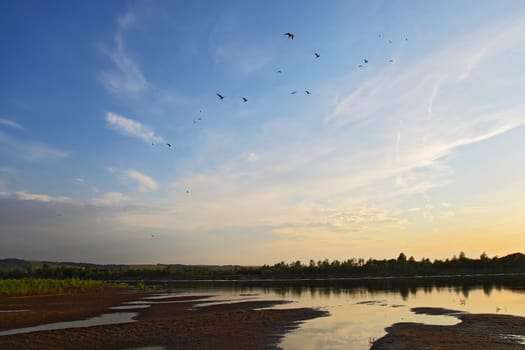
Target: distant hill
x=400 y=267
x=11 y=264
x=14 y=264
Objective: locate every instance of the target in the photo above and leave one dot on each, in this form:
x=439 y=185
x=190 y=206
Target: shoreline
x=474 y=331
x=174 y=322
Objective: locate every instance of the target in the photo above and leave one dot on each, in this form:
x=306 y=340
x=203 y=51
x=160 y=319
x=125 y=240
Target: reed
x=41 y=286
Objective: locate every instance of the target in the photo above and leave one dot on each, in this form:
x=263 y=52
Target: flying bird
x=289 y=35
x=307 y=92
x=365 y=60
x=360 y=66
x=199 y=118
x=391 y=61
x=220 y=96
x=317 y=55
x=169 y=145
x=244 y=99
x=406 y=39
x=293 y=92
x=379 y=36
x=188 y=191
x=279 y=71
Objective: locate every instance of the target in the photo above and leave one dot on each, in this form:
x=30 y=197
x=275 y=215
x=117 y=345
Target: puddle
x=104 y=319
x=520 y=339
x=130 y=307
x=21 y=310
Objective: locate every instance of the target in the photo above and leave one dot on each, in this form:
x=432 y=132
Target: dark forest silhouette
x=351 y=268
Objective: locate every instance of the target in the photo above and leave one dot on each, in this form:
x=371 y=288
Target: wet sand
x=177 y=325
x=474 y=331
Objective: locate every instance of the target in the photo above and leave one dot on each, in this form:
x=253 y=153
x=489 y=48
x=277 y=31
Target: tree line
x=403 y=266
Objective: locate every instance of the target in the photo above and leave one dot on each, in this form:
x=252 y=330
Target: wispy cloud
x=415 y=122
x=26 y=196
x=11 y=124
x=126 y=76
x=133 y=128
x=31 y=150
x=146 y=183
x=110 y=198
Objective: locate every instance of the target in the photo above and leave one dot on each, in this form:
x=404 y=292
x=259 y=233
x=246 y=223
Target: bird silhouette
x=293 y=92
x=244 y=99
x=169 y=145
x=289 y=35
x=199 y=118
x=317 y=55
x=360 y=66
x=220 y=96
x=391 y=61
x=279 y=71
x=365 y=60
x=188 y=191
x=379 y=35
x=406 y=39
x=307 y=92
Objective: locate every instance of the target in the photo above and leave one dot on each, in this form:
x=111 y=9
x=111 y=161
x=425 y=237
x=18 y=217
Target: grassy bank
x=42 y=286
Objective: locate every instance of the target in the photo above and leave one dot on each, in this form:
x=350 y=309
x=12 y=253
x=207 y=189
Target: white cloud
x=253 y=157
x=10 y=123
x=80 y=179
x=133 y=128
x=110 y=198
x=126 y=77
x=146 y=183
x=42 y=197
x=31 y=150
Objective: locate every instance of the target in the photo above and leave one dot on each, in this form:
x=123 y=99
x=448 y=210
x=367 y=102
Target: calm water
x=359 y=311
x=359 y=315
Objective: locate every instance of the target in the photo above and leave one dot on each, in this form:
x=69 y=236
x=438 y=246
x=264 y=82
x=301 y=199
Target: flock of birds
x=244 y=99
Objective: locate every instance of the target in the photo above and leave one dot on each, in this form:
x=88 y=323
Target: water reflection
x=104 y=319
x=361 y=309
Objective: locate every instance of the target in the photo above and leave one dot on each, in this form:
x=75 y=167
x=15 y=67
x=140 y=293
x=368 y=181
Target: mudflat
x=474 y=331
x=174 y=322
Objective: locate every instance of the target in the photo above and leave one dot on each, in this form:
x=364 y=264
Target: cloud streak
x=146 y=183
x=11 y=124
x=132 y=128
x=26 y=196
x=110 y=199
x=126 y=76
x=31 y=150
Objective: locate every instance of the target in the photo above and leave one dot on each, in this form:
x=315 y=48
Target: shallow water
x=359 y=315
x=104 y=319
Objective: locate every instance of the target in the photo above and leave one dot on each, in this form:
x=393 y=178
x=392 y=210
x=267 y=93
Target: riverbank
x=173 y=323
x=474 y=331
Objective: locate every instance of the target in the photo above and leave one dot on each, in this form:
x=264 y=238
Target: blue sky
x=419 y=150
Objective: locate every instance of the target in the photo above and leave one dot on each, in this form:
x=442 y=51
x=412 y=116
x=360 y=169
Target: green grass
x=41 y=286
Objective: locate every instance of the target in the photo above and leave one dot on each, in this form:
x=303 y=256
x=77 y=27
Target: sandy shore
x=475 y=331
x=174 y=325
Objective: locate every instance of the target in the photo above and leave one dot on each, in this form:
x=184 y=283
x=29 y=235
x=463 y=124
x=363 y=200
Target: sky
x=115 y=148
